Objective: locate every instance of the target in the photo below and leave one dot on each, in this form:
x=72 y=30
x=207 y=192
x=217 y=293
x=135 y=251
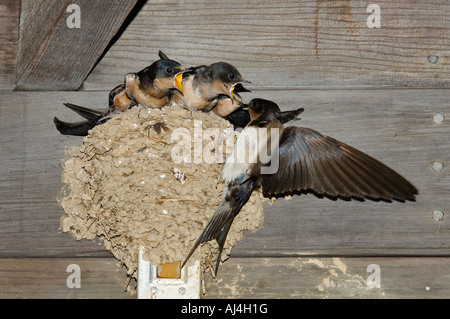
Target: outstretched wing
x=309 y=160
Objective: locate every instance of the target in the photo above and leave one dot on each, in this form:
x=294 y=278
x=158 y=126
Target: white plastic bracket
x=150 y=286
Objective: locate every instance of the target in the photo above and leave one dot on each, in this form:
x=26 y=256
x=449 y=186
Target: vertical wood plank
x=9 y=34
x=53 y=56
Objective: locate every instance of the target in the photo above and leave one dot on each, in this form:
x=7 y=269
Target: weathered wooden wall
x=374 y=89
x=291 y=43
x=396 y=127
x=9 y=38
x=52 y=56
x=258 y=278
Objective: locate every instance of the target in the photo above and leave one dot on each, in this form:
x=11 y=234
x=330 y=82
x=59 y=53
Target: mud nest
x=152 y=178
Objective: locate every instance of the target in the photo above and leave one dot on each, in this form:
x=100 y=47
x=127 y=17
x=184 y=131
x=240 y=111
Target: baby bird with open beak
x=210 y=88
x=151 y=87
x=154 y=85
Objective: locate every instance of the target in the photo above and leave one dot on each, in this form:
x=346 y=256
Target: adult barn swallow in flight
x=307 y=161
x=211 y=88
x=150 y=87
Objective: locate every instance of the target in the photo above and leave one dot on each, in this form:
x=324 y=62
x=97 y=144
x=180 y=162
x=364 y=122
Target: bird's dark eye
x=169 y=70
x=231 y=76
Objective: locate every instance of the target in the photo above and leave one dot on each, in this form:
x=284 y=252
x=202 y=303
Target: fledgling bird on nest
x=216 y=88
x=151 y=87
x=209 y=88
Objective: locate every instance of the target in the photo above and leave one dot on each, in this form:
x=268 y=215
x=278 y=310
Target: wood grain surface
x=46 y=278
x=290 y=43
x=9 y=35
x=376 y=89
x=315 y=277
x=52 y=56
x=394 y=126
x=253 y=278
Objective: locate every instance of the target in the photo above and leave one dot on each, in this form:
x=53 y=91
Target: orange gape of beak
x=233 y=99
x=178 y=84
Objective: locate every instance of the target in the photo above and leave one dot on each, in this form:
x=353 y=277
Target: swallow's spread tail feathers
x=235 y=196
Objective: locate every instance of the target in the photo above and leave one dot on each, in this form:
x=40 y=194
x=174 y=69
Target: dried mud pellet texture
x=131 y=184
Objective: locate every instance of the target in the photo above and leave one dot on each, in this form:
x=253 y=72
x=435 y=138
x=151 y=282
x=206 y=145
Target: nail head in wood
x=433 y=58
x=438 y=118
x=437 y=166
x=438 y=215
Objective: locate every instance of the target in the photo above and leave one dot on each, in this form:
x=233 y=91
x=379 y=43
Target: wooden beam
x=46 y=278
x=307 y=43
x=9 y=35
x=312 y=277
x=27 y=117
x=53 y=56
x=254 y=278
x=394 y=126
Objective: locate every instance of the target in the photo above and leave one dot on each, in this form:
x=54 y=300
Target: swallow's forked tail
x=93 y=118
x=88 y=114
x=76 y=129
x=235 y=197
